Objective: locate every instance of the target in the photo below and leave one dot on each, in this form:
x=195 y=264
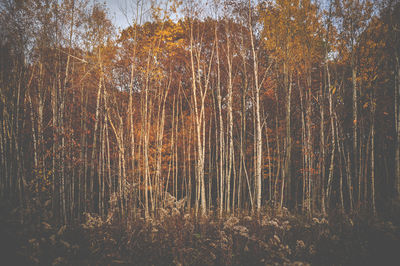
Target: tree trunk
x=258 y=133
x=397 y=126
x=373 y=107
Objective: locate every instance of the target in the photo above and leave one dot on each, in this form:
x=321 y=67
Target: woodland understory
x=177 y=237
x=204 y=133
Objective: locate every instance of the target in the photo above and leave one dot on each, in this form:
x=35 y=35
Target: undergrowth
x=176 y=237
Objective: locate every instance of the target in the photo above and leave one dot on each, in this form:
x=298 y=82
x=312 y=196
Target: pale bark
x=230 y=118
x=221 y=145
x=258 y=143
x=323 y=151
x=199 y=116
x=96 y=125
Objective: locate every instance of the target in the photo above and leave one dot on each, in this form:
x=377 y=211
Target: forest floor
x=275 y=237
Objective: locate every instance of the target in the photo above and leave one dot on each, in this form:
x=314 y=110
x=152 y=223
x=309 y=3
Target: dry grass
x=180 y=238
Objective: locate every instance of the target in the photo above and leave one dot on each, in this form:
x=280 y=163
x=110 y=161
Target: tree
x=353 y=16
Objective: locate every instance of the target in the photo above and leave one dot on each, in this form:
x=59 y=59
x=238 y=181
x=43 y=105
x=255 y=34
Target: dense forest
x=228 y=115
